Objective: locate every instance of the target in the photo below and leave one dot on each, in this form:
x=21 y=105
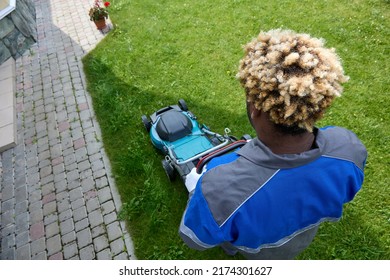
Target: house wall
x=18 y=30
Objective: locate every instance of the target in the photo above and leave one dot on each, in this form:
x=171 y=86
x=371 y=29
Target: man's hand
x=192 y=179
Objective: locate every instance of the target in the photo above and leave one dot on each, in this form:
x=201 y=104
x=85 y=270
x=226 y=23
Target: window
x=6 y=6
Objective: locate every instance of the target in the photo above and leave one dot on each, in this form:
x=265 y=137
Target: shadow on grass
x=153 y=206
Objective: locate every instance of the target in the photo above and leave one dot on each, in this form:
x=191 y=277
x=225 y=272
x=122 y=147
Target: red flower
x=106 y=4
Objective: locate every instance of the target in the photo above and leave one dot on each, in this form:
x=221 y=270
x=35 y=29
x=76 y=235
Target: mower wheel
x=146 y=122
x=169 y=170
x=183 y=105
x=246 y=137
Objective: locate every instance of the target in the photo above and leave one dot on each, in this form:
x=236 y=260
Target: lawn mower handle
x=218 y=152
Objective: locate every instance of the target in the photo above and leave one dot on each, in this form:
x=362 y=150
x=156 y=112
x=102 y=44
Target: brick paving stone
x=35 y=196
x=95 y=218
x=121 y=256
x=75 y=194
x=70 y=250
x=8 y=254
x=8 y=241
x=48 y=189
x=61 y=185
x=47 y=179
x=104 y=255
x=38 y=246
x=67 y=226
x=83 y=106
x=101 y=182
x=100 y=173
x=21 y=207
x=81 y=154
x=21 y=194
x=88 y=185
x=63 y=126
x=99 y=230
x=48 y=197
x=40 y=256
x=53 y=245
x=7 y=192
x=80 y=213
x=51 y=218
x=44 y=154
x=79 y=143
x=49 y=208
x=56 y=256
x=78 y=203
x=57 y=161
x=36 y=215
x=92 y=204
x=69 y=157
x=67 y=214
x=45 y=171
x=8 y=217
x=101 y=243
x=84 y=165
x=8 y=205
x=93 y=147
x=52 y=229
x=108 y=207
x=63 y=205
x=82 y=224
x=37 y=231
x=72 y=175
x=22 y=238
x=68 y=237
x=117 y=246
x=104 y=194
x=84 y=238
x=95 y=157
x=73 y=184
x=58 y=169
x=114 y=231
x=87 y=253
x=97 y=165
x=60 y=176
x=109 y=218
x=22 y=222
x=85 y=174
x=23 y=253
x=90 y=194
x=77 y=133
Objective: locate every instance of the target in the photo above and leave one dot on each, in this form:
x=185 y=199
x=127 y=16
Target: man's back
x=257 y=200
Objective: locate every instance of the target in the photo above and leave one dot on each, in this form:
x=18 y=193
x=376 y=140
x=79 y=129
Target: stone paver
x=57 y=198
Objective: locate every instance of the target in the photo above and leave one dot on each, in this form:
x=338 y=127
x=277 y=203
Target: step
x=7 y=105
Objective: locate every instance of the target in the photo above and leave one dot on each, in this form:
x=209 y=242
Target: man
x=268 y=199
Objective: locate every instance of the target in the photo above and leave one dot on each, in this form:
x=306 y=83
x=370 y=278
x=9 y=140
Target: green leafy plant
x=99 y=10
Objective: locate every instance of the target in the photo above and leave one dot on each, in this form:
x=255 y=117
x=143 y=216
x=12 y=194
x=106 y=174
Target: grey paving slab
x=57 y=197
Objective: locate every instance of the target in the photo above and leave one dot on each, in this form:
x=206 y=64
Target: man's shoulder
x=339 y=142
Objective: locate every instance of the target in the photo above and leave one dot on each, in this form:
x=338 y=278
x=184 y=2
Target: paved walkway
x=57 y=198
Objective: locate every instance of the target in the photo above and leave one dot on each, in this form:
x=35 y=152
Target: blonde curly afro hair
x=292 y=76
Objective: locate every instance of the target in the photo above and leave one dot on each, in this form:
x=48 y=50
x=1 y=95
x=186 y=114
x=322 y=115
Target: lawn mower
x=186 y=144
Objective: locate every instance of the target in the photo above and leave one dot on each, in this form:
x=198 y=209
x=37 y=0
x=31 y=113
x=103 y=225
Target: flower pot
x=100 y=23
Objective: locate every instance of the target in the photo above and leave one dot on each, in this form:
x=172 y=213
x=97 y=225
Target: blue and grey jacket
x=268 y=205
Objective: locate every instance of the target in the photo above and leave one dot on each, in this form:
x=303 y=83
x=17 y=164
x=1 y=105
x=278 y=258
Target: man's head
x=291 y=77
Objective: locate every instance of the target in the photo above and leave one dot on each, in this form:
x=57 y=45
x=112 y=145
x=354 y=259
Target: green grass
x=161 y=51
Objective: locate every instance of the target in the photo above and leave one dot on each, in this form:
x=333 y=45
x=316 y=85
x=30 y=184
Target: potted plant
x=99 y=13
